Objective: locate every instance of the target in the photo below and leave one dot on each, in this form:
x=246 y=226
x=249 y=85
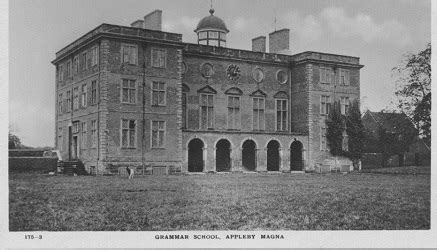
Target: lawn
x=356 y=201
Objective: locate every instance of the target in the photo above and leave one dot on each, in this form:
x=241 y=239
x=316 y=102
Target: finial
x=212 y=9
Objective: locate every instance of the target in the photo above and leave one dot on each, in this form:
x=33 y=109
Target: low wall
x=374 y=160
x=409 y=159
x=32 y=164
x=423 y=159
x=371 y=160
x=25 y=153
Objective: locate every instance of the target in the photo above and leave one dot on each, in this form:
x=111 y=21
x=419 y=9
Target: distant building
x=401 y=132
x=397 y=124
x=137 y=95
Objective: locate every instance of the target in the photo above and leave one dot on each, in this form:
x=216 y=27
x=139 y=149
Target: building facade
x=139 y=96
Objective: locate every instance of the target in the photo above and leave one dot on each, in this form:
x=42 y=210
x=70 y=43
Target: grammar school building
x=138 y=96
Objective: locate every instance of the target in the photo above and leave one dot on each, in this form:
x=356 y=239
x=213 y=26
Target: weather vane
x=274 y=20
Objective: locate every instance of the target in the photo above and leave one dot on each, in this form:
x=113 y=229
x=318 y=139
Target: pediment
x=258 y=93
x=281 y=95
x=207 y=89
x=234 y=91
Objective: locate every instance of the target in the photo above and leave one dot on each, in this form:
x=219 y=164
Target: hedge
x=25 y=153
x=32 y=164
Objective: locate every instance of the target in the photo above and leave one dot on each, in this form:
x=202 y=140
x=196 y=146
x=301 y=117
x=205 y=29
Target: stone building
x=140 y=96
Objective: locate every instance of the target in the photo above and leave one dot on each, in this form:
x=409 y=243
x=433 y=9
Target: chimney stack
x=153 y=20
x=259 y=44
x=279 y=40
x=138 y=24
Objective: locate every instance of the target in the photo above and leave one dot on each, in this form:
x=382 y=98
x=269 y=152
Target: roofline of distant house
x=378 y=122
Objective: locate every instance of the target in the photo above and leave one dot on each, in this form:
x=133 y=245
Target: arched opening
x=223 y=156
x=195 y=155
x=249 y=155
x=296 y=163
x=273 y=158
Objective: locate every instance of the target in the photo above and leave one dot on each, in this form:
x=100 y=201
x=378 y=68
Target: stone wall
x=221 y=83
x=335 y=91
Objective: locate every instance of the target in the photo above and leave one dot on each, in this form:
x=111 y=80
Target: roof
x=211 y=22
x=392 y=122
x=121 y=32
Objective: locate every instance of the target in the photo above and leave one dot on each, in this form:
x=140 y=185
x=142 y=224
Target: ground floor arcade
x=224 y=152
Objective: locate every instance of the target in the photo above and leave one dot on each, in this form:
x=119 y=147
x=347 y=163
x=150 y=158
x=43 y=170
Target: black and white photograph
x=216 y=123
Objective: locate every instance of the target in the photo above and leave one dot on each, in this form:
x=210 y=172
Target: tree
x=334 y=130
x=395 y=142
x=14 y=141
x=355 y=132
x=414 y=89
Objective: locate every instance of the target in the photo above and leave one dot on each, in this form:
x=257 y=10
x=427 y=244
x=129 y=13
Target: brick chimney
x=138 y=24
x=259 y=44
x=279 y=40
x=153 y=20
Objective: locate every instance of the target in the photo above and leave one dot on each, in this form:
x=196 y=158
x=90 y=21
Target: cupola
x=211 y=31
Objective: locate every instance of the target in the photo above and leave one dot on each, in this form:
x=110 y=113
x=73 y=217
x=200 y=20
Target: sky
x=377 y=31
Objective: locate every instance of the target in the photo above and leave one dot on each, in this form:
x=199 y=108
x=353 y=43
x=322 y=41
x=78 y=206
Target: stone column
x=262 y=160
x=184 y=167
x=236 y=159
x=209 y=159
x=285 y=160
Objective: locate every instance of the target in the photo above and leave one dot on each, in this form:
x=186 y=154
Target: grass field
x=356 y=201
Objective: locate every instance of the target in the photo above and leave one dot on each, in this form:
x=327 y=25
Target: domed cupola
x=211 y=31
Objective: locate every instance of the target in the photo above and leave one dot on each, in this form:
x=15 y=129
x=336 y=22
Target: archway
x=195 y=155
x=249 y=155
x=223 y=155
x=273 y=158
x=296 y=163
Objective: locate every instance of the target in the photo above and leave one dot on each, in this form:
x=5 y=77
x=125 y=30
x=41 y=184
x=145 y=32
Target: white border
x=419 y=238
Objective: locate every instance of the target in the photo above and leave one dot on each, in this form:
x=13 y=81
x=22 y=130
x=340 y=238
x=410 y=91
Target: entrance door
x=249 y=155
x=273 y=158
x=296 y=163
x=70 y=143
x=223 y=156
x=74 y=148
x=195 y=156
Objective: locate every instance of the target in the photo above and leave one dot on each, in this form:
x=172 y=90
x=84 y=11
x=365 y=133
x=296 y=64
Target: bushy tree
x=355 y=132
x=395 y=142
x=334 y=130
x=414 y=89
x=14 y=141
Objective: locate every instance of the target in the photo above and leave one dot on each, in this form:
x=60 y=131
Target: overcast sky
x=378 y=32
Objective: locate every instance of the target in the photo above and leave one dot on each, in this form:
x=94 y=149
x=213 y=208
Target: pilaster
x=309 y=83
x=103 y=103
x=179 y=109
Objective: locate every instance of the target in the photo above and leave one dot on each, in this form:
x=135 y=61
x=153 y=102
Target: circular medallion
x=207 y=70
x=281 y=76
x=258 y=75
x=233 y=72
